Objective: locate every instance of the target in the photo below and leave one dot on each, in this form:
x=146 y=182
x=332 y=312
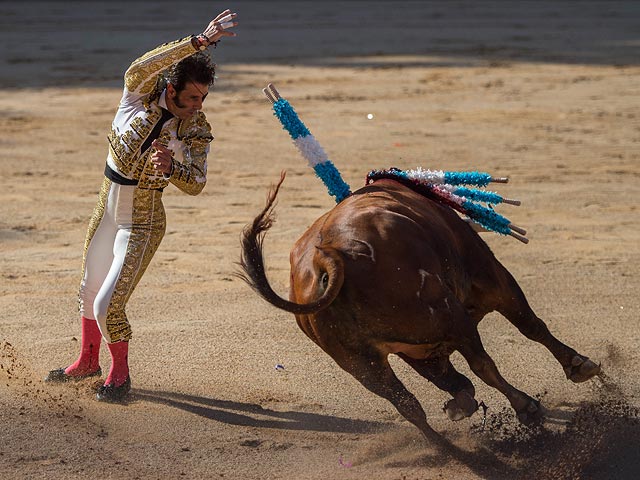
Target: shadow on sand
x=589 y=440
x=253 y=415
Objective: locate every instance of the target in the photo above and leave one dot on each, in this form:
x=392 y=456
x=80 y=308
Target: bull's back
x=388 y=234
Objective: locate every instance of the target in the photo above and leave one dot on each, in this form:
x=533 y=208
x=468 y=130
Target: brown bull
x=389 y=271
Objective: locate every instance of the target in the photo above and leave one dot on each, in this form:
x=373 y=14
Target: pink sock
x=119 y=363
x=89 y=357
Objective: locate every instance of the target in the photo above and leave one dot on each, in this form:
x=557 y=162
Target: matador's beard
x=184 y=110
x=176 y=100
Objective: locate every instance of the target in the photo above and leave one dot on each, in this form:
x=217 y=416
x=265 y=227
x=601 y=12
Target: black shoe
x=58 y=376
x=109 y=393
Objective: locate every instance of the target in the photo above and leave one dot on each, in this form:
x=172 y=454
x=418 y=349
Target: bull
x=388 y=271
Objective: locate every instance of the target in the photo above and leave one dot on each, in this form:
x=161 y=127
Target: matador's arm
x=141 y=77
x=191 y=176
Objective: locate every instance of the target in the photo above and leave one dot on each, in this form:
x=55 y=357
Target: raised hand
x=218 y=27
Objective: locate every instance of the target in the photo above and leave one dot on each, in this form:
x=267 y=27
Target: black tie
x=155 y=133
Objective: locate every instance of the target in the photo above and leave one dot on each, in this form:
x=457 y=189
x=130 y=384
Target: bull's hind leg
x=514 y=306
x=372 y=369
x=439 y=371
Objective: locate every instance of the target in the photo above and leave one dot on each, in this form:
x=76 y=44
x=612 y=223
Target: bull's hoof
x=532 y=414
x=462 y=406
x=581 y=369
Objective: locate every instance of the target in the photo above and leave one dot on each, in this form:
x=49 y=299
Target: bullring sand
x=543 y=92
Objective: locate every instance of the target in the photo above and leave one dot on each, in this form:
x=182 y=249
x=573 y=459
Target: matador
x=159 y=136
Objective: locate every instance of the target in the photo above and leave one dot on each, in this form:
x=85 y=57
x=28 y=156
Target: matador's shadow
x=254 y=415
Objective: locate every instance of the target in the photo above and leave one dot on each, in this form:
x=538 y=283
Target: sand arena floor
x=543 y=92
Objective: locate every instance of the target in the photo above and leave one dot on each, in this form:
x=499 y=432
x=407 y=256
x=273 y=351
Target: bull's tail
x=252 y=263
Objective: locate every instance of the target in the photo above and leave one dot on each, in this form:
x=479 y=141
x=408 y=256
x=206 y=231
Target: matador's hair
x=198 y=68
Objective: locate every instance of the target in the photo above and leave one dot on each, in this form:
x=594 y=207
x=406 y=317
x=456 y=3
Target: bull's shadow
x=248 y=415
x=254 y=415
x=594 y=439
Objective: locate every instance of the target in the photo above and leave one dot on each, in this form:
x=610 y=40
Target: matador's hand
x=161 y=158
x=218 y=27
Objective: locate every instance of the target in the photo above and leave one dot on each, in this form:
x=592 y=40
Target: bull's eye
x=324 y=279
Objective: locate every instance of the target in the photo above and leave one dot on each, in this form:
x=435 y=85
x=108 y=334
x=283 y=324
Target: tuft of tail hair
x=251 y=259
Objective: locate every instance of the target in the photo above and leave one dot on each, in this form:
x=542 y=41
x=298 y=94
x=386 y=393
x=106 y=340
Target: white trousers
x=126 y=228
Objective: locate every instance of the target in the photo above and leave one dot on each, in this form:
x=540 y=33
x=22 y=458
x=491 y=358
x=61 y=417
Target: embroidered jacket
x=140 y=110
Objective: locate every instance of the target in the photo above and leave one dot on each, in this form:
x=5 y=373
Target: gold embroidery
x=195 y=127
x=138 y=172
x=125 y=148
x=147 y=231
x=191 y=176
x=149 y=85
x=94 y=222
x=143 y=127
x=153 y=62
x=190 y=169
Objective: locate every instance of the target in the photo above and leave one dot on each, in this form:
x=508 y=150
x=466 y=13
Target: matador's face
x=185 y=103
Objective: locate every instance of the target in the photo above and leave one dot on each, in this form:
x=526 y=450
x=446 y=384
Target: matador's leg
x=141 y=222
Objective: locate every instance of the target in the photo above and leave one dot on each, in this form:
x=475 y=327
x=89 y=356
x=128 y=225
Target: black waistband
x=115 y=177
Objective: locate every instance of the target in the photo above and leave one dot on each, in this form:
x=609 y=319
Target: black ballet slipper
x=112 y=394
x=59 y=376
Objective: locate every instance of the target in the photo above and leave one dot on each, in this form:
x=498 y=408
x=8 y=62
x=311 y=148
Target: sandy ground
x=544 y=92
